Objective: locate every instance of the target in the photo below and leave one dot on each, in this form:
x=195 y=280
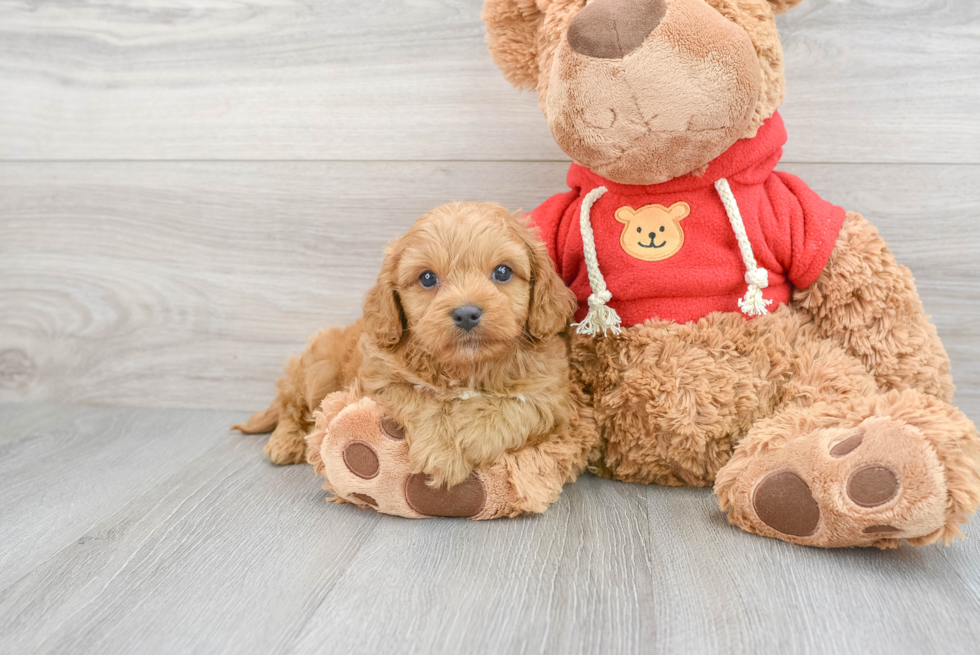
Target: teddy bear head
x=643 y=91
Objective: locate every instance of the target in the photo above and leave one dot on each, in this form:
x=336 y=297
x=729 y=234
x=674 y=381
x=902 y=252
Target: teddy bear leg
x=364 y=458
x=902 y=466
x=672 y=401
x=665 y=401
x=866 y=302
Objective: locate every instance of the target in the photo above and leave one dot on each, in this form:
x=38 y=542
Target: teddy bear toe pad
x=783 y=502
x=465 y=500
x=872 y=486
x=361 y=460
x=857 y=487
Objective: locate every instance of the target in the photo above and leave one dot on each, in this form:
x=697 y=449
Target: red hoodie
x=669 y=251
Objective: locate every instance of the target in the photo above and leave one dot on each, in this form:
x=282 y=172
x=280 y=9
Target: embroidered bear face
x=653 y=232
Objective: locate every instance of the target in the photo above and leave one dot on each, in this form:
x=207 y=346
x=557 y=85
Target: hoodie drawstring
x=602 y=318
x=753 y=304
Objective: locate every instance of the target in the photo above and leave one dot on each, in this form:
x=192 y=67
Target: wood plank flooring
x=157 y=531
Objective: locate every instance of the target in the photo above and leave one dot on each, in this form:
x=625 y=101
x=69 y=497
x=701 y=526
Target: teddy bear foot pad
x=364 y=457
x=874 y=484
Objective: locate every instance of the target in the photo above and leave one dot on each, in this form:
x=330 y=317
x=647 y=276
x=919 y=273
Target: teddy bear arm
x=363 y=456
x=536 y=473
x=866 y=301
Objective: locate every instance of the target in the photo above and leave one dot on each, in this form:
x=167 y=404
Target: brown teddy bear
x=734 y=328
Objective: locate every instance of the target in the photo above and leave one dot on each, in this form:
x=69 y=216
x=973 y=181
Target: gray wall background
x=189 y=190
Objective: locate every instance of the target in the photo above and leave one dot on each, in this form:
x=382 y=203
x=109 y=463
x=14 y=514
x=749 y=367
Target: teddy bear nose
x=467 y=317
x=611 y=29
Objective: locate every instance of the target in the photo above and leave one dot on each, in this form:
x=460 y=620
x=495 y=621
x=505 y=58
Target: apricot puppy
x=459 y=343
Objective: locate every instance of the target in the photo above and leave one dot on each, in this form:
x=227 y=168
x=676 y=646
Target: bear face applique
x=653 y=232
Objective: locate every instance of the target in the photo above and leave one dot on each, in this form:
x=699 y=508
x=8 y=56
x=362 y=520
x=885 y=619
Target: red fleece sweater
x=657 y=265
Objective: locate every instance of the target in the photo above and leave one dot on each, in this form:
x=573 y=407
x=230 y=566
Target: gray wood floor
x=189 y=189
x=154 y=530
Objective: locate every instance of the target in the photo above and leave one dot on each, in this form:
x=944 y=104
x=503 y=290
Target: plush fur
x=464 y=397
x=644 y=119
x=726 y=401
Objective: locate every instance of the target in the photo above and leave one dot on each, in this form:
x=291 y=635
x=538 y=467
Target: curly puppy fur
x=328 y=363
x=523 y=481
x=465 y=397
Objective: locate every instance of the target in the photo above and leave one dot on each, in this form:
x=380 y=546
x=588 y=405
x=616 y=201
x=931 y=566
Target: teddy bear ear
x=679 y=211
x=512 y=27
x=779 y=6
x=624 y=214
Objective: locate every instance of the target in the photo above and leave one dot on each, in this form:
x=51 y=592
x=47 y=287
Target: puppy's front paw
x=364 y=457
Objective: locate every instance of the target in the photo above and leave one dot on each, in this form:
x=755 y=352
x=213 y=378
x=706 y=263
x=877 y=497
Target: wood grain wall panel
x=187 y=284
x=868 y=81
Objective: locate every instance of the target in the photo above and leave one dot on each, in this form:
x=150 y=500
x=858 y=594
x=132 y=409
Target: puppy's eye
x=428 y=279
x=502 y=273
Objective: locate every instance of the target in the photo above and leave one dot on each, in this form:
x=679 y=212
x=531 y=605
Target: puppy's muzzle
x=467 y=317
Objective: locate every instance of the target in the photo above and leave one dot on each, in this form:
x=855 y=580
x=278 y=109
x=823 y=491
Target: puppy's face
x=467 y=283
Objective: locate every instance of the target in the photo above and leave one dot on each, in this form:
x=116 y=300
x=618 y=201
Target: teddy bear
x=735 y=330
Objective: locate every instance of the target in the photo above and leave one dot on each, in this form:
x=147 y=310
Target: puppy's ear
x=552 y=303
x=384 y=318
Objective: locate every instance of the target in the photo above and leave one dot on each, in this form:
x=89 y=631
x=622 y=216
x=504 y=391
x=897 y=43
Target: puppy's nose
x=467 y=317
x=611 y=29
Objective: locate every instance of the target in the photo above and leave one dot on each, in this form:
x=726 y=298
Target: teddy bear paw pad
x=363 y=454
x=364 y=458
x=465 y=500
x=871 y=486
x=856 y=487
x=361 y=459
x=783 y=502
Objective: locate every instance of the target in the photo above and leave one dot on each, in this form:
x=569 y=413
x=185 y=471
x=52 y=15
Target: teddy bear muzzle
x=643 y=91
x=611 y=29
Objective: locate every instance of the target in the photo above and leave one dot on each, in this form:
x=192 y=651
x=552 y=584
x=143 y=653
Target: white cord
x=753 y=304
x=601 y=317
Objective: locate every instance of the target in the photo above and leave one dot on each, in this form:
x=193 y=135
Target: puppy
x=459 y=342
